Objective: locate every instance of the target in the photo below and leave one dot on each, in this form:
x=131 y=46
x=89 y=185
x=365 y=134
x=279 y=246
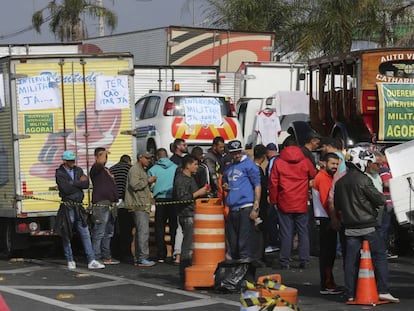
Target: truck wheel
x=7 y=237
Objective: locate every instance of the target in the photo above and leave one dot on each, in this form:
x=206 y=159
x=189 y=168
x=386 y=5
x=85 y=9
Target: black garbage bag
x=229 y=275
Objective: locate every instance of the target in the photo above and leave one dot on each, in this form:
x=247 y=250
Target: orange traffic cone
x=3 y=305
x=366 y=293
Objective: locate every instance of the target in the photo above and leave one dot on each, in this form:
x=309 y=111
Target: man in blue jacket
x=162 y=190
x=241 y=180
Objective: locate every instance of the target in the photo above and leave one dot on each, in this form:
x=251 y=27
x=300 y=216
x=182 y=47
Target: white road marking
x=203 y=300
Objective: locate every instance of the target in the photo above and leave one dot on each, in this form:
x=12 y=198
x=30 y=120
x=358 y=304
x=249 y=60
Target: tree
x=66 y=19
x=319 y=27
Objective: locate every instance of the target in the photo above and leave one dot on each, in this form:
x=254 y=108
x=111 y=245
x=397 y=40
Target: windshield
x=180 y=103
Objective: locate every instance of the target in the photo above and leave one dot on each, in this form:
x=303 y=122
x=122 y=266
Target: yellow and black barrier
x=268 y=303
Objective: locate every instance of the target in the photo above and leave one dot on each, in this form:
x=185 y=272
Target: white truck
x=291 y=107
x=49 y=104
x=169 y=78
x=276 y=86
x=263 y=79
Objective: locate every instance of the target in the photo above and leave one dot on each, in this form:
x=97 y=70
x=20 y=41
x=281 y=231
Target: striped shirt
x=120 y=172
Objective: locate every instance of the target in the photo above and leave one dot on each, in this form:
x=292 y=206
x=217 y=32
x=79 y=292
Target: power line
x=23 y=30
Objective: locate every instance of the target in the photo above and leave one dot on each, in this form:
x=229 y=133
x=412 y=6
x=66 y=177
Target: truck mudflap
x=227 y=130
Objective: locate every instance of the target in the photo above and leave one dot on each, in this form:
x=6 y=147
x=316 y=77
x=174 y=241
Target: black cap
x=235 y=145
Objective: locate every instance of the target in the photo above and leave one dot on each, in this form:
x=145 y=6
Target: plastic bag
x=229 y=275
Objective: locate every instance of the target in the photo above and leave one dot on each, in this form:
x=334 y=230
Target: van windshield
x=180 y=102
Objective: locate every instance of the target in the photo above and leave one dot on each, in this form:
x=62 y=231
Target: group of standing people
x=266 y=208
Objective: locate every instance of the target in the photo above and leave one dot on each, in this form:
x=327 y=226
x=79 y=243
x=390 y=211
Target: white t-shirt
x=268 y=126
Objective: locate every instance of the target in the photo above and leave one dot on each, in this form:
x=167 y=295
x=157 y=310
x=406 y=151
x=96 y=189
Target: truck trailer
x=49 y=104
x=170 y=78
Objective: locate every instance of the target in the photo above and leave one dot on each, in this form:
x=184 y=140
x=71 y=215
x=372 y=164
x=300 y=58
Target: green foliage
x=319 y=27
x=65 y=20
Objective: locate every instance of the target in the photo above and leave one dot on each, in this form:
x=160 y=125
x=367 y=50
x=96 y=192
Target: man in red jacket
x=288 y=190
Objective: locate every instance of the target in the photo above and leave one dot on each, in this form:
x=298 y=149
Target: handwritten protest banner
x=38 y=92
x=202 y=110
x=396 y=111
x=112 y=92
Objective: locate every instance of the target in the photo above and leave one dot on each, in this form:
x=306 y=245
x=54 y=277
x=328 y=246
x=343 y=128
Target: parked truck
x=263 y=79
x=49 y=104
x=169 y=78
x=271 y=86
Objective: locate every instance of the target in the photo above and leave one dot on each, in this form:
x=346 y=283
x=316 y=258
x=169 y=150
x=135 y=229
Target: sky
x=132 y=15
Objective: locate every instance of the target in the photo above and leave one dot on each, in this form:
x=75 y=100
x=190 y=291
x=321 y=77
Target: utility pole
x=101 y=19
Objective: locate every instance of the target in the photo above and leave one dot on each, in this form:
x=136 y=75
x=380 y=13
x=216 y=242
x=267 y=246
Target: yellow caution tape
x=91 y=206
x=260 y=301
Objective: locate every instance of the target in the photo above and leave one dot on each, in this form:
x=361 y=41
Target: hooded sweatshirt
x=164 y=169
x=289 y=180
x=242 y=178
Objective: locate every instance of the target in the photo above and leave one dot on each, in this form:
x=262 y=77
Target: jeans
x=379 y=259
x=327 y=253
x=178 y=239
x=243 y=236
x=385 y=226
x=272 y=222
x=141 y=219
x=121 y=245
x=102 y=231
x=164 y=214
x=187 y=224
x=288 y=222
x=85 y=238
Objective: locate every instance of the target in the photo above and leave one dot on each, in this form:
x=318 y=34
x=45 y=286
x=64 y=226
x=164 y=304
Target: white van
x=196 y=117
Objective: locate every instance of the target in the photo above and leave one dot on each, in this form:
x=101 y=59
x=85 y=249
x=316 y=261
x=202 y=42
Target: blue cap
x=69 y=155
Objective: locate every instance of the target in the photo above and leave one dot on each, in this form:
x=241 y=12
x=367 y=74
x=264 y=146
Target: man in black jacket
x=358 y=201
x=71 y=181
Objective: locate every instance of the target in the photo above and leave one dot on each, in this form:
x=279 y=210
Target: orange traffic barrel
x=209 y=245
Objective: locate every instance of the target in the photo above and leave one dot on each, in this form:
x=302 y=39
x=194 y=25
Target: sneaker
x=330 y=291
x=303 y=265
x=350 y=299
x=388 y=297
x=391 y=256
x=71 y=265
x=284 y=267
x=145 y=263
x=110 y=261
x=271 y=249
x=94 y=264
x=161 y=260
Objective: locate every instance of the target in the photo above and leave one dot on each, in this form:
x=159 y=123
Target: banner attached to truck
x=57 y=104
x=396 y=111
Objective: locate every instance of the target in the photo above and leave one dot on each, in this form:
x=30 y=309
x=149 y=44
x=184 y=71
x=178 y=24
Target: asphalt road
x=44 y=284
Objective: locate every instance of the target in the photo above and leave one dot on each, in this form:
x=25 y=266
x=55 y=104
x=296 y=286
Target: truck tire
x=7 y=237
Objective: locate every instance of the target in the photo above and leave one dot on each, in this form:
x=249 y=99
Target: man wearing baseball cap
x=138 y=200
x=241 y=180
x=71 y=181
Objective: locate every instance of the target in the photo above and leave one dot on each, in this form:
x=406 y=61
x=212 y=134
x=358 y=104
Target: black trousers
x=164 y=214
